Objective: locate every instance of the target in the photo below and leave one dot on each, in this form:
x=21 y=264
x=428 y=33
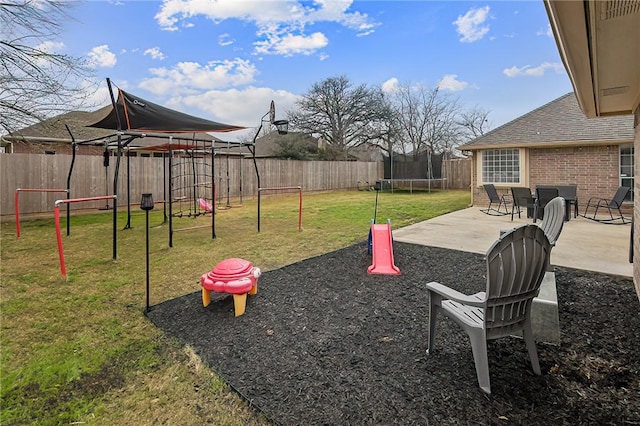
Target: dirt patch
x=323 y=342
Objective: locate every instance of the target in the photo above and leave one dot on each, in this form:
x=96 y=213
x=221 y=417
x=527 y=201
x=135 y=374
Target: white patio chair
x=516 y=264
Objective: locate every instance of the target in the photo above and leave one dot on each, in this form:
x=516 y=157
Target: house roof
x=53 y=130
x=561 y=122
x=268 y=146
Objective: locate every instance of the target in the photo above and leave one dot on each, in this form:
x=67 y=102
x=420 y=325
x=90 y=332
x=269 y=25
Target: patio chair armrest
x=451 y=294
x=595 y=201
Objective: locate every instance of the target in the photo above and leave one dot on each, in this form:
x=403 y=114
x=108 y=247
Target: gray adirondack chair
x=516 y=264
x=553 y=221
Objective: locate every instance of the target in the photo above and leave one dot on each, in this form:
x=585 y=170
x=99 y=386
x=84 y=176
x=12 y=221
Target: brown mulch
x=325 y=343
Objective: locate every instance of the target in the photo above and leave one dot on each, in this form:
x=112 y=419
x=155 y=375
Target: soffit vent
x=618 y=8
x=615 y=91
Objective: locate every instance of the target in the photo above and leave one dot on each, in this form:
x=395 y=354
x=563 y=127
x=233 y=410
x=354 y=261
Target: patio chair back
x=619 y=197
x=543 y=196
x=492 y=193
x=516 y=264
x=553 y=221
x=522 y=198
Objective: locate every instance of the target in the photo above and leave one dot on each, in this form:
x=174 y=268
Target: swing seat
x=204 y=205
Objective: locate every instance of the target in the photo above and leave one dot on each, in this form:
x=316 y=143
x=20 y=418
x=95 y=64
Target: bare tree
x=342 y=115
x=426 y=119
x=474 y=122
x=35 y=82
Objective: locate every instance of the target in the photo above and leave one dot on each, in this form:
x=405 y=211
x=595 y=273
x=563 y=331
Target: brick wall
x=594 y=169
x=636 y=212
x=21 y=147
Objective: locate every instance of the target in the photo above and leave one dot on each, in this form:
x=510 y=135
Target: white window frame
x=627 y=179
x=517 y=176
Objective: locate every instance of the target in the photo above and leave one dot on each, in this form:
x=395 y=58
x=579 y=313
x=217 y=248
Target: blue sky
x=226 y=60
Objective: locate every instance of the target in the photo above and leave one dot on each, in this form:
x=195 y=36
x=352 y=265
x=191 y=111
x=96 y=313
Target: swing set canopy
x=139 y=115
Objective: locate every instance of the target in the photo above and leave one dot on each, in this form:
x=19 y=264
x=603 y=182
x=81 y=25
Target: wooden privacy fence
x=234 y=178
x=457 y=172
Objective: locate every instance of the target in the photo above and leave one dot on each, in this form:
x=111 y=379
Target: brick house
x=599 y=43
x=555 y=144
x=52 y=137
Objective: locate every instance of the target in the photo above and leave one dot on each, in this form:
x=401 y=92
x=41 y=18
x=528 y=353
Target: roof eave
x=555 y=144
x=568 y=21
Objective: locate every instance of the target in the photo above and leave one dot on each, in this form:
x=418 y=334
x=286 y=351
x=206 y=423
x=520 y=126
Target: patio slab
x=583 y=244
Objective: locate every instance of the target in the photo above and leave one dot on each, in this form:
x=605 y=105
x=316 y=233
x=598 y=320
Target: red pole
x=63 y=267
x=300 y=211
x=56 y=214
x=16 y=208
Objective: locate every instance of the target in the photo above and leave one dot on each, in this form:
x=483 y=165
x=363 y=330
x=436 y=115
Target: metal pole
x=147 y=220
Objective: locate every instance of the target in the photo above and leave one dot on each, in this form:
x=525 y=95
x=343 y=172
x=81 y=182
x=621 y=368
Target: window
x=626 y=168
x=501 y=166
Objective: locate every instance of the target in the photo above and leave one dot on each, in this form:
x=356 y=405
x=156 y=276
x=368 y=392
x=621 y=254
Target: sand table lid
x=231 y=268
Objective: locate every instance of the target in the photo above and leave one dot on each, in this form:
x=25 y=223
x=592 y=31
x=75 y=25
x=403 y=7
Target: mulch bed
x=325 y=343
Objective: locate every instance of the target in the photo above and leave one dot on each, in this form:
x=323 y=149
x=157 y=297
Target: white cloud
x=391 y=85
x=528 y=71
x=291 y=44
x=50 y=46
x=451 y=82
x=225 y=39
x=155 y=53
x=187 y=77
x=100 y=56
x=280 y=25
x=240 y=107
x=545 y=32
x=471 y=26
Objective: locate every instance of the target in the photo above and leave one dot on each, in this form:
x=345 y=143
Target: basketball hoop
x=282 y=126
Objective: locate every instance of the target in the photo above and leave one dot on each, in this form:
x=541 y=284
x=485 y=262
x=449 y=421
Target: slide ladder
x=382 y=243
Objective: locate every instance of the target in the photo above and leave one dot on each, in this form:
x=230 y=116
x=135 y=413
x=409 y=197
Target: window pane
x=626 y=168
x=501 y=166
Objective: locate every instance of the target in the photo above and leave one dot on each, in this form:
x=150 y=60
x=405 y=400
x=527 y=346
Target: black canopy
x=137 y=114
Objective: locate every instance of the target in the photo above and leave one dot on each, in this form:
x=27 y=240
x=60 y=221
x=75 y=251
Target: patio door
x=626 y=168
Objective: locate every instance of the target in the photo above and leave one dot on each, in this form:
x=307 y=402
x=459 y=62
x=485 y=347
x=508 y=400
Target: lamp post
x=146 y=204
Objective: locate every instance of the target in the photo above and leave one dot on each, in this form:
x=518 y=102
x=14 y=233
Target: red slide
x=382 y=251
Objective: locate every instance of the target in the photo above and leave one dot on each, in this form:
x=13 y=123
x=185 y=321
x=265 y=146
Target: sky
x=226 y=60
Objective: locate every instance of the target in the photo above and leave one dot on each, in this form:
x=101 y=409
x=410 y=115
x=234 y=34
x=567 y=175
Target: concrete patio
x=583 y=244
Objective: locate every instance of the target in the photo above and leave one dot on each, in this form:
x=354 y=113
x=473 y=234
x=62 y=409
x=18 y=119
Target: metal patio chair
x=570 y=195
x=612 y=205
x=516 y=264
x=522 y=198
x=495 y=198
x=543 y=196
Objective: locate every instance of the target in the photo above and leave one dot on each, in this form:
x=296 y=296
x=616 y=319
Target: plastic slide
x=204 y=205
x=382 y=243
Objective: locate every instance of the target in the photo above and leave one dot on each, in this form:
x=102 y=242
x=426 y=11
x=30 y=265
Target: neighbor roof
x=560 y=122
x=54 y=130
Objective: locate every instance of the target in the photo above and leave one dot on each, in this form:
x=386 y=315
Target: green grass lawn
x=81 y=351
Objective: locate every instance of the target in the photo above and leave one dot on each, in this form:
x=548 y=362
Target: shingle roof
x=54 y=130
x=76 y=120
x=560 y=122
